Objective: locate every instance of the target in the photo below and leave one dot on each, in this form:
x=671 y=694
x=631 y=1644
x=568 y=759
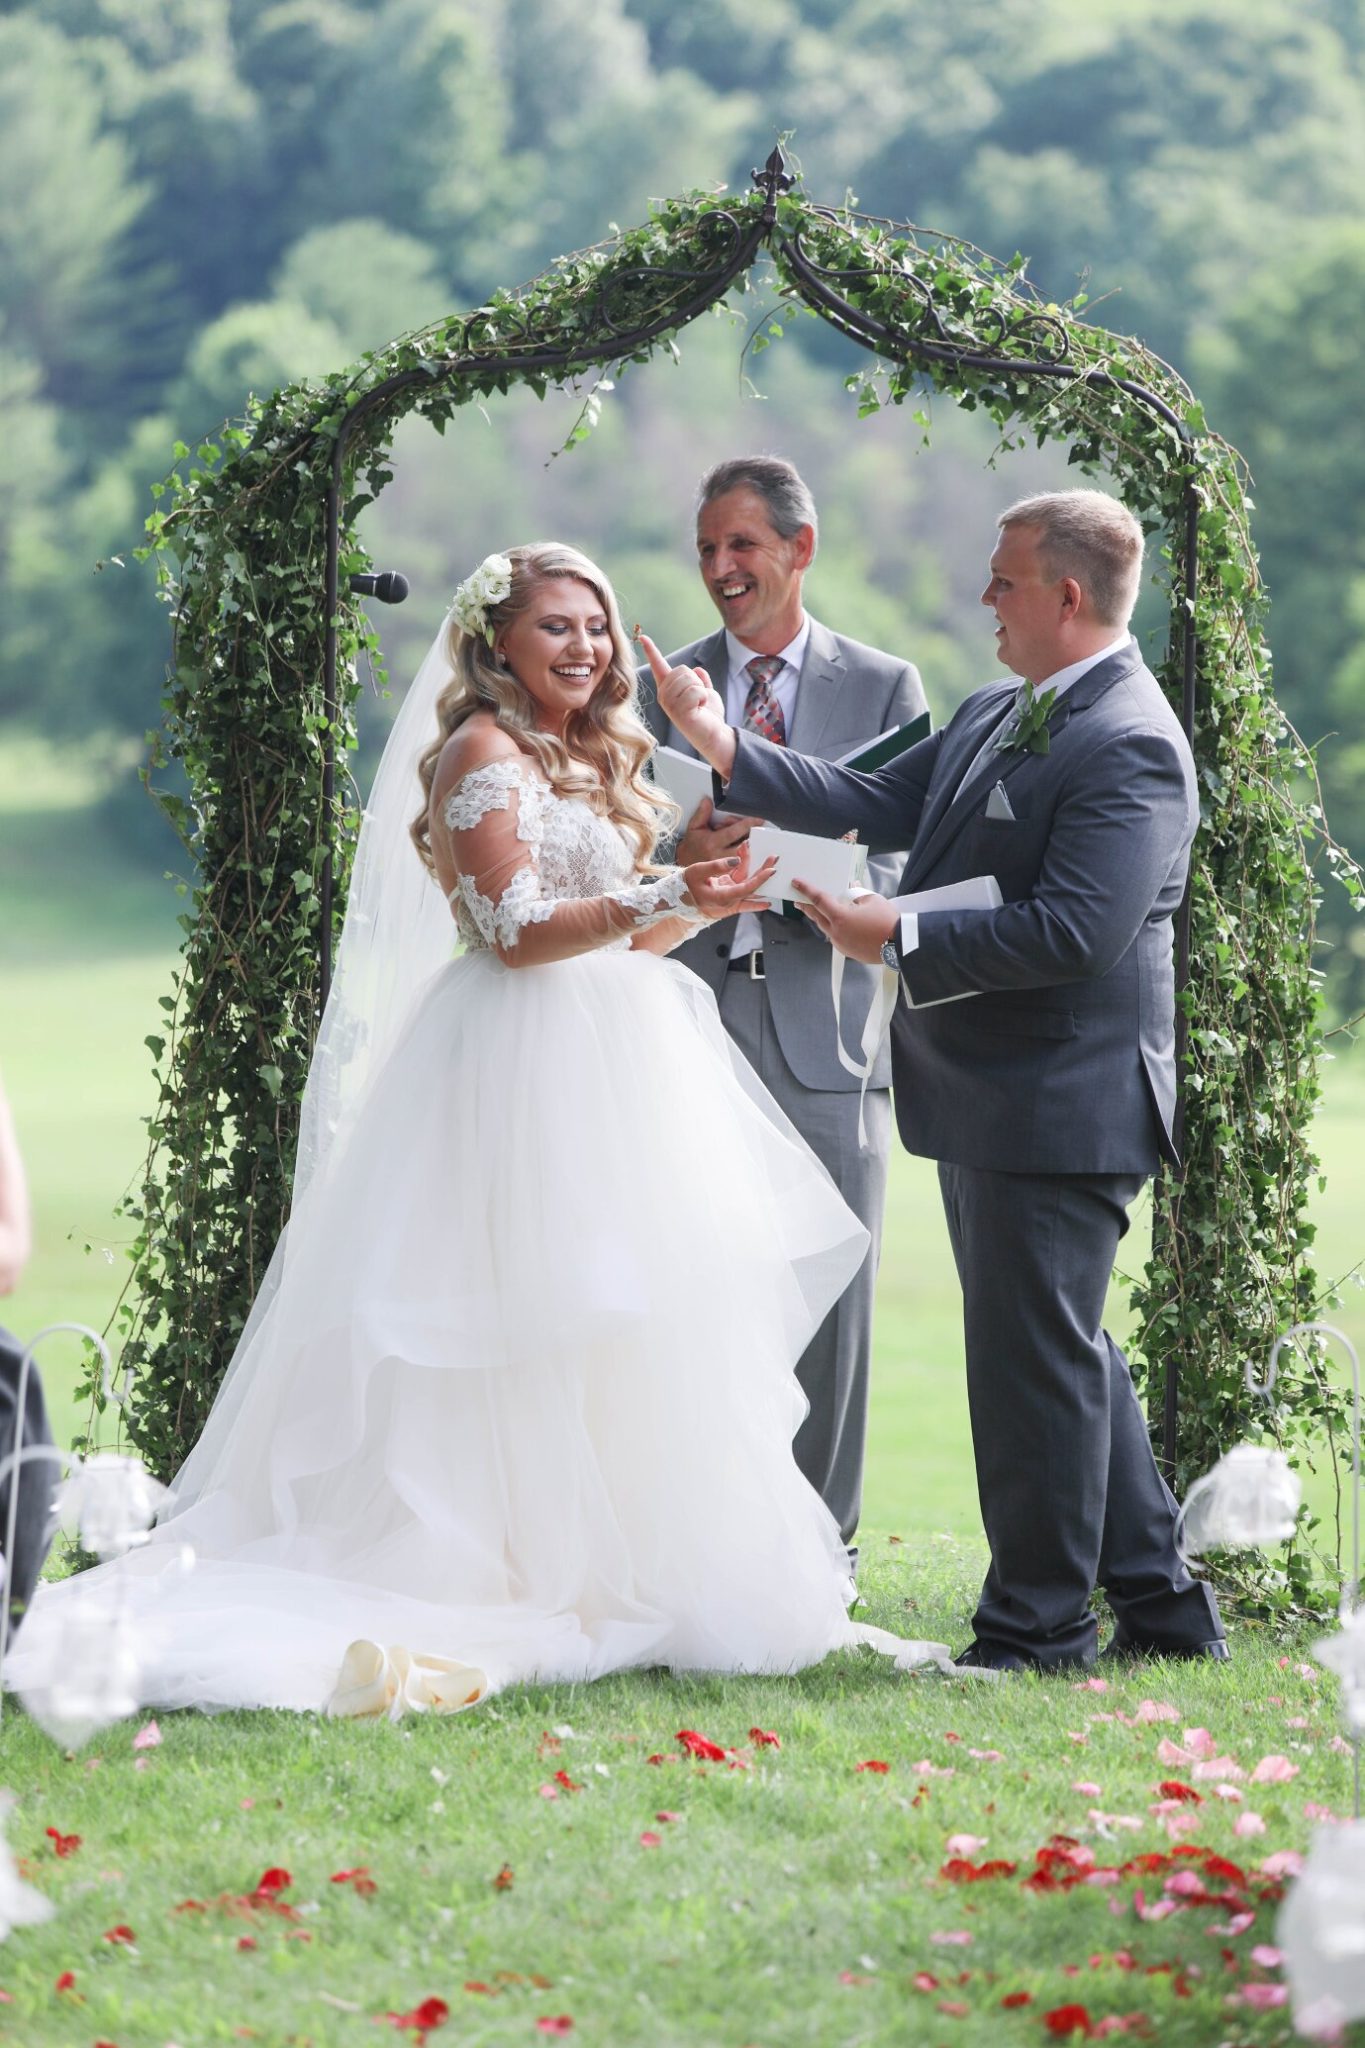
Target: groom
x=1033 y=1054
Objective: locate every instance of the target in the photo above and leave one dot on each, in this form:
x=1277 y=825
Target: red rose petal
x=555 y=2023
x=700 y=1745
x=66 y=1982
x=764 y=1738
x=1067 y=2019
x=1017 y=1998
x=649 y=1840
x=872 y=1763
x=63 y=1845
x=120 y=1934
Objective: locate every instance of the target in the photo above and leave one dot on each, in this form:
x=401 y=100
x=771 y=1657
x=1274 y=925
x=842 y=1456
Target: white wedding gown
x=523 y=1393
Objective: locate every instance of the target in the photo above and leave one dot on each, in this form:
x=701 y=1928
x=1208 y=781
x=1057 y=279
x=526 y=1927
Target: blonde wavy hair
x=605 y=745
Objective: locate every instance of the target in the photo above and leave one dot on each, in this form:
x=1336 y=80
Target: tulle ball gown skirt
x=523 y=1395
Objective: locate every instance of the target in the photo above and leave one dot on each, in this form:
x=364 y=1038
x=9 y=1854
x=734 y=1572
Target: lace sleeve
x=495 y=816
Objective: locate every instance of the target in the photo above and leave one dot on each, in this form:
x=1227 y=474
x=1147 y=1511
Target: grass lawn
x=784 y=1897
x=781 y=1896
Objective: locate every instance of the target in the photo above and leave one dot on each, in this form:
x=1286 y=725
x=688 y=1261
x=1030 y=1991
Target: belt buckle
x=756 y=972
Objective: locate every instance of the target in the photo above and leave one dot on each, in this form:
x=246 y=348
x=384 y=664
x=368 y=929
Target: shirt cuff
x=909 y=939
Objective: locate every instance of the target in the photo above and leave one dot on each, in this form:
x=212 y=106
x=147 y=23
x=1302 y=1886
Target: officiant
x=784 y=675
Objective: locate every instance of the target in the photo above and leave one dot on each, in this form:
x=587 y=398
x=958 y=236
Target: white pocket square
x=998 y=803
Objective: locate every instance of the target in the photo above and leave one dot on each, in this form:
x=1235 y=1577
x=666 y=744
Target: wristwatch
x=890 y=957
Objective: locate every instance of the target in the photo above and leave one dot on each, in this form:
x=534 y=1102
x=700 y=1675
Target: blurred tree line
x=208 y=197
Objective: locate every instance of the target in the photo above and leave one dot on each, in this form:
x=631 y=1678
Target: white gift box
x=837 y=866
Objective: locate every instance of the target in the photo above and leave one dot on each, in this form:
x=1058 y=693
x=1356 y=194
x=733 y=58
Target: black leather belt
x=748 y=963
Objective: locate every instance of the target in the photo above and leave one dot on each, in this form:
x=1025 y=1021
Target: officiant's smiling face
x=558 y=647
x=753 y=573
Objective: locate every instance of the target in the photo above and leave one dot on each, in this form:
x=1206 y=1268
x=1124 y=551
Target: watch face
x=889 y=956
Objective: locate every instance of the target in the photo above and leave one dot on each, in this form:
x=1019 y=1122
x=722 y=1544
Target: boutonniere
x=1026 y=725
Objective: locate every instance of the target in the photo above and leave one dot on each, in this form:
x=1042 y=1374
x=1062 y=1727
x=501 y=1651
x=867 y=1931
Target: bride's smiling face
x=558 y=648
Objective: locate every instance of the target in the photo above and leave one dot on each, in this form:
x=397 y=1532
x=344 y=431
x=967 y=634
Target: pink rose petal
x=1087 y=1788
x=1269 y=1958
x=148 y=1737
x=1262 y=1997
x=1274 y=1770
x=1200 y=1743
x=1248 y=1823
x=1155 y=1710
x=1218 y=1767
x=987 y=1756
x=965 y=1845
x=955 y=1937
x=1283 y=1863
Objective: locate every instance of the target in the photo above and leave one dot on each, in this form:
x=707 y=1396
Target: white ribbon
x=874 y=1030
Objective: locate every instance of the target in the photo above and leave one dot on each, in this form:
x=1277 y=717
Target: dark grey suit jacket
x=847 y=693
x=1064 y=1062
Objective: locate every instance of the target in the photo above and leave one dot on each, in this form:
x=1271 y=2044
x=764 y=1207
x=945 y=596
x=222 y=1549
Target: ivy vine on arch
x=254 y=539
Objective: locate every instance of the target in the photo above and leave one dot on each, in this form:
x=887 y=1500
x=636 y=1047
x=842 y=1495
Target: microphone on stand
x=386 y=584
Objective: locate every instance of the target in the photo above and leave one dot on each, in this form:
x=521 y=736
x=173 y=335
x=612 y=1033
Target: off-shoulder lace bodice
x=526 y=855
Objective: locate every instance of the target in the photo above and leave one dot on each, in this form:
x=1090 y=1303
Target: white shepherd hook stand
x=1334 y=1650
x=120 y=1521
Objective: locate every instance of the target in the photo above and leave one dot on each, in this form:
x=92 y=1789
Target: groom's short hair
x=1089 y=536
x=780 y=485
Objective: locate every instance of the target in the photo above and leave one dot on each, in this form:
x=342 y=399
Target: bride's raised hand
x=722 y=888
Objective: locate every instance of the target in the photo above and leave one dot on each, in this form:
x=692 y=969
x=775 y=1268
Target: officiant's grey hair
x=1089 y=536
x=779 y=483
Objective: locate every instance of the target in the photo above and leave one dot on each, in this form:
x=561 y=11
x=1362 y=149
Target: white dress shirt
x=748 y=929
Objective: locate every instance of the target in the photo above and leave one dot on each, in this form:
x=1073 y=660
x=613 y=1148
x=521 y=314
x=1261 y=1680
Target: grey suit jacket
x=1064 y=1062
x=847 y=693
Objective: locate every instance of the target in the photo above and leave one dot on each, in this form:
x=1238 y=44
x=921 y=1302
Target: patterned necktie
x=762 y=712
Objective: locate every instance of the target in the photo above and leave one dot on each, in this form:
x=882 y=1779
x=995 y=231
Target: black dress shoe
x=993 y=1657
x=1121 y=1649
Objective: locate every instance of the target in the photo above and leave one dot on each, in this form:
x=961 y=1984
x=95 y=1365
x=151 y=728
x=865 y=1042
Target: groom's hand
x=704 y=840
x=858 y=926
x=688 y=701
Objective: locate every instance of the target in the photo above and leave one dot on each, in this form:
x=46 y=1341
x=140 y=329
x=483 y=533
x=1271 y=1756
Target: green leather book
x=870 y=755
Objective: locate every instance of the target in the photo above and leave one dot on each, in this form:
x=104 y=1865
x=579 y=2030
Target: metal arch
x=818 y=286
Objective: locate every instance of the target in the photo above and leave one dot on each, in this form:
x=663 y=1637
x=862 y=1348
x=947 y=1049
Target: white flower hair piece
x=485 y=586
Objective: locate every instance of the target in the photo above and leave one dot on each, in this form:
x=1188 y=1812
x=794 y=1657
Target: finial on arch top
x=774 y=177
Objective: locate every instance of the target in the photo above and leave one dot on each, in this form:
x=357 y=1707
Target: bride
x=517 y=1398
